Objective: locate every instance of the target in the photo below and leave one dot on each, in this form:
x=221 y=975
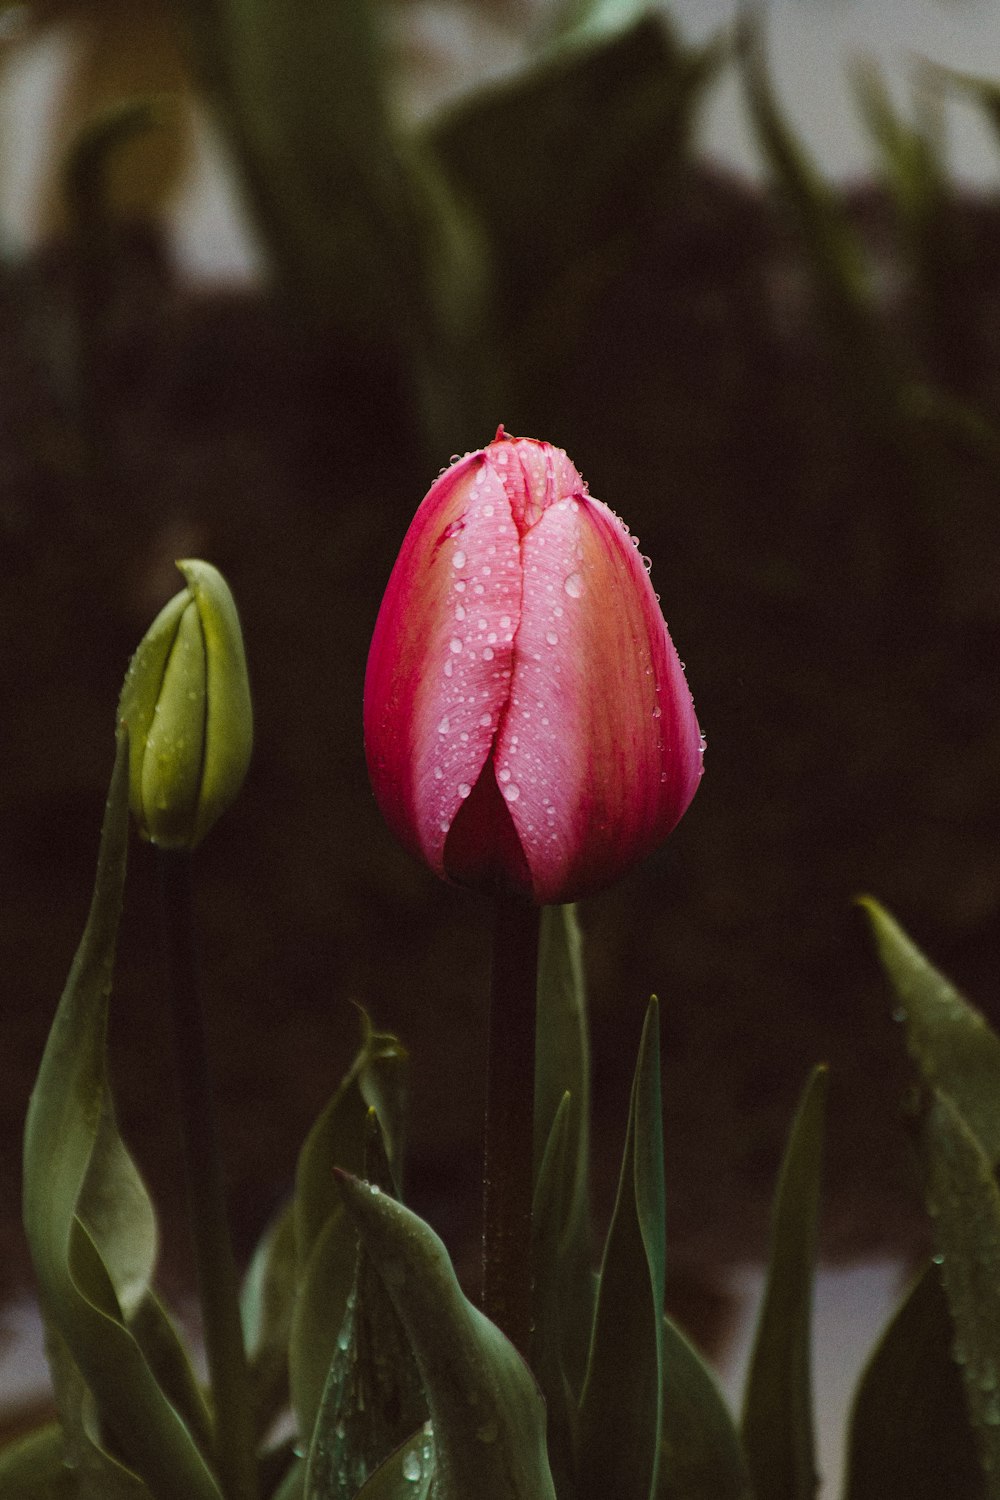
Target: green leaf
x=266 y=1303
x=950 y=1042
x=373 y=1397
x=488 y=1415
x=34 y=1467
x=100 y=1473
x=964 y=1203
x=909 y=1434
x=549 y=1216
x=622 y=112
x=622 y=1403
x=157 y=1335
x=407 y=1474
x=700 y=1453
x=67 y=1138
x=562 y=1066
x=777 y=1425
x=325 y=1243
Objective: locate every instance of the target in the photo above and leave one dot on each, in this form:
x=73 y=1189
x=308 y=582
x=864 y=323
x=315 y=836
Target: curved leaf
x=777 y=1425
x=622 y=1403
x=700 y=1453
x=325 y=1245
x=488 y=1415
x=34 y=1467
x=266 y=1302
x=373 y=1397
x=909 y=1434
x=67 y=1121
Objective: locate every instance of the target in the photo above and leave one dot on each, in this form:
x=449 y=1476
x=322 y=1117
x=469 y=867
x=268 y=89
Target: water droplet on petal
x=455 y=644
x=464 y=789
x=459 y=611
x=512 y=791
x=458 y=561
x=504 y=776
x=505 y=622
x=445 y=726
x=573 y=585
x=487 y=653
x=552 y=638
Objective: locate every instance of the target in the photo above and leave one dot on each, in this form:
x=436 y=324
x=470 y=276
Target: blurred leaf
x=950 y=1042
x=621 y=113
x=700 y=1453
x=266 y=1304
x=622 y=1403
x=777 y=1425
x=362 y=229
x=964 y=1203
x=373 y=1397
x=488 y=1415
x=71 y=1169
x=325 y=1244
x=909 y=1434
x=157 y=1336
x=34 y=1467
x=292 y=1487
x=89 y=163
x=562 y=1066
x=101 y=1473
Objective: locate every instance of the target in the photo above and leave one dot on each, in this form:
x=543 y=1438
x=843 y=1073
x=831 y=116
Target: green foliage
x=89 y=1224
x=487 y=1412
x=621 y=1409
x=777 y=1411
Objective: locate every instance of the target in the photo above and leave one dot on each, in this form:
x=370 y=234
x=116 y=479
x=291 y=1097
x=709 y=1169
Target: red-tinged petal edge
x=599 y=753
x=442 y=655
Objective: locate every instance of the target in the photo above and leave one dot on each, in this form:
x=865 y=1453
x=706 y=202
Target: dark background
x=829 y=574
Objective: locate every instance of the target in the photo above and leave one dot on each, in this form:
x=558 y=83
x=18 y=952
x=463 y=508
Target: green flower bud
x=186 y=705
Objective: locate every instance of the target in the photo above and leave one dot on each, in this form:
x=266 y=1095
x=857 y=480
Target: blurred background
x=265 y=267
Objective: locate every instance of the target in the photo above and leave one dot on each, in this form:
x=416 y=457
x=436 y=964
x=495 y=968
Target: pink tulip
x=528 y=725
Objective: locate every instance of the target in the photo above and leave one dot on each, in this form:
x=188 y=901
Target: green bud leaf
x=186 y=701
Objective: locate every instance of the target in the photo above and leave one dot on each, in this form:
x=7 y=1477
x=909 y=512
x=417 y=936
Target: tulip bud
x=186 y=704
x=528 y=725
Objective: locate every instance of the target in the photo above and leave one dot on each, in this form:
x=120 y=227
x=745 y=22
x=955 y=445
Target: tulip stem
x=509 y=1147
x=217 y=1285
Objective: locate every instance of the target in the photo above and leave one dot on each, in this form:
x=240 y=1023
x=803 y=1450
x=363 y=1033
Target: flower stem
x=217 y=1286
x=510 y=1093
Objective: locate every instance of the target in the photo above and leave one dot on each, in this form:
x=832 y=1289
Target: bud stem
x=509 y=1147
x=217 y=1285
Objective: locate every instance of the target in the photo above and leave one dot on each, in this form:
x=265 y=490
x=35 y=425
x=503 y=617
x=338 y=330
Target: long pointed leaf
x=777 y=1423
x=622 y=1403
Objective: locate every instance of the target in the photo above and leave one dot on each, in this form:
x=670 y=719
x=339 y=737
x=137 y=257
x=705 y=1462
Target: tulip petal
x=599 y=753
x=442 y=654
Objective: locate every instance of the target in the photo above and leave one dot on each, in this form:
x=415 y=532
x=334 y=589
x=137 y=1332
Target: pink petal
x=599 y=753
x=441 y=656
